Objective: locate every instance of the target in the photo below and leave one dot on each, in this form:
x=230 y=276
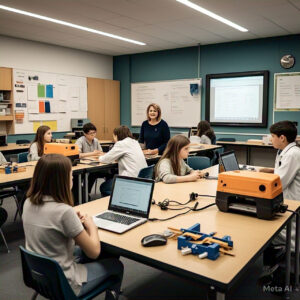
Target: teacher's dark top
x=155 y=136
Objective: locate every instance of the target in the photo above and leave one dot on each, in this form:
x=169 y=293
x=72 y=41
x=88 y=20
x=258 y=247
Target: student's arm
x=82 y=230
x=287 y=169
x=2 y=159
x=114 y=154
x=33 y=153
x=88 y=239
x=94 y=153
x=166 y=137
x=165 y=173
x=267 y=170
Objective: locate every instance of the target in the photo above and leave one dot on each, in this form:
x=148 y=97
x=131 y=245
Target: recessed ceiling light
x=26 y=13
x=212 y=15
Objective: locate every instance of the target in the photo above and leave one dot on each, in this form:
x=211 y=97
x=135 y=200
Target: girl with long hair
x=171 y=167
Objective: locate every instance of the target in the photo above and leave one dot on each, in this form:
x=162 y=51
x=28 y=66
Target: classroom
x=150 y=101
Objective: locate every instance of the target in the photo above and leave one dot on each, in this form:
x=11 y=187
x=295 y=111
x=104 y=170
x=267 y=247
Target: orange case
x=64 y=149
x=247 y=183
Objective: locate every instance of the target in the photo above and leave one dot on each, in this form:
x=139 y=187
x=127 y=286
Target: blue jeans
x=98 y=271
x=106 y=187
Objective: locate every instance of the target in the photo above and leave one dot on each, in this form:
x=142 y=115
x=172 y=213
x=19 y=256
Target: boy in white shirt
x=287 y=166
x=127 y=152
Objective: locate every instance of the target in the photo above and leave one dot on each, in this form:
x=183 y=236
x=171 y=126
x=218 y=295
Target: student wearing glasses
x=89 y=146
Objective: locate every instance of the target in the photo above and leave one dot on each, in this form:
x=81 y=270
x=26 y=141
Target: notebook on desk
x=129 y=204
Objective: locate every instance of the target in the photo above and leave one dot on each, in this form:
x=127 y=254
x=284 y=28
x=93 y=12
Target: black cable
x=190 y=209
x=293 y=211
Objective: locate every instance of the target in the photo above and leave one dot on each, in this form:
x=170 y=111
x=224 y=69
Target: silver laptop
x=230 y=163
x=129 y=204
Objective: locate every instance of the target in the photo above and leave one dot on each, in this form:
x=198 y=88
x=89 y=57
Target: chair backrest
x=147 y=172
x=193 y=131
x=45 y=276
x=198 y=162
x=22 y=157
x=22 y=142
x=3 y=216
x=227 y=139
x=216 y=157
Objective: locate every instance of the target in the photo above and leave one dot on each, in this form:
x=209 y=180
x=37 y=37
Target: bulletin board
x=287 y=91
x=50 y=99
x=180 y=101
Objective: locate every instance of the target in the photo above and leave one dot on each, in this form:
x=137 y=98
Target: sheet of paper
x=32 y=93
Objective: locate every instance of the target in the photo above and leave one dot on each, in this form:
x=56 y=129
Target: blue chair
x=198 y=162
x=3 y=218
x=22 y=157
x=45 y=276
x=226 y=140
x=147 y=172
x=20 y=142
x=217 y=153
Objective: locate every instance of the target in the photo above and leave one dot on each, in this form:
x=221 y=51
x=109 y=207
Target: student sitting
x=205 y=134
x=89 y=146
x=127 y=152
x=287 y=164
x=43 y=136
x=52 y=227
x=171 y=168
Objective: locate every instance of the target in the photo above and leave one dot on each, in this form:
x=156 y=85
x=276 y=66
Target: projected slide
x=237 y=100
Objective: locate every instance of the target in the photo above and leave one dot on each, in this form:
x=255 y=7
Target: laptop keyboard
x=117 y=218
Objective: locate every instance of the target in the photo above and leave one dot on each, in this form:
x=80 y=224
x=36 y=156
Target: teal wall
x=13 y=138
x=250 y=55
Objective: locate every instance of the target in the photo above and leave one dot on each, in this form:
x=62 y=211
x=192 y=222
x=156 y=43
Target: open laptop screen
x=131 y=195
x=229 y=161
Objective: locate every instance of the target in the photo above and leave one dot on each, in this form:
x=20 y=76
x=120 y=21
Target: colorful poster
x=49 y=91
x=41 y=91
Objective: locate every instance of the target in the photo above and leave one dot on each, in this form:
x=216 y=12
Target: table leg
x=288 y=261
x=215 y=295
x=297 y=256
x=79 y=189
x=248 y=154
x=86 y=187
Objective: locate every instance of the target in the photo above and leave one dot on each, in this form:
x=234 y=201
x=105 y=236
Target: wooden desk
x=248 y=146
x=250 y=235
x=13 y=148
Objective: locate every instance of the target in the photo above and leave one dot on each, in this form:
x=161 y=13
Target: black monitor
x=3 y=140
x=237 y=99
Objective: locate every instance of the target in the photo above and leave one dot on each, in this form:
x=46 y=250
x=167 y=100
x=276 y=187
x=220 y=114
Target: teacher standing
x=155 y=132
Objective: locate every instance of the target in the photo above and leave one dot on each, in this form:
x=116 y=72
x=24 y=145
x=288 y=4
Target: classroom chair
x=11 y=192
x=20 y=142
x=22 y=157
x=147 y=172
x=46 y=277
x=226 y=140
x=3 y=218
x=198 y=162
x=217 y=152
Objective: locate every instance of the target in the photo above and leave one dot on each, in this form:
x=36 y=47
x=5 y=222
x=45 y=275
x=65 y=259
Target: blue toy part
x=8 y=170
x=212 y=250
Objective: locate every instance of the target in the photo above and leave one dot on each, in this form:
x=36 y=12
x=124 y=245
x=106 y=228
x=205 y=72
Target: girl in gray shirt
x=52 y=227
x=171 y=168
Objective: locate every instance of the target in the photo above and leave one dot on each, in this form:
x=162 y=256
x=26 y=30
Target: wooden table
x=248 y=146
x=250 y=235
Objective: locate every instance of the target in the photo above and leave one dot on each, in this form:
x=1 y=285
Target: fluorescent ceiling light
x=212 y=15
x=26 y=13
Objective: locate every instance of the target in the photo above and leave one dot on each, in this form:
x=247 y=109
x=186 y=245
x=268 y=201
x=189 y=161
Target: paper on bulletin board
x=41 y=90
x=63 y=92
x=33 y=107
x=51 y=124
x=32 y=93
x=36 y=125
x=287 y=91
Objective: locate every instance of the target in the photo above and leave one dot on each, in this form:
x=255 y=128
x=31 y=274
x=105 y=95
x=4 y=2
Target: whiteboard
x=42 y=98
x=180 y=107
x=287 y=91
